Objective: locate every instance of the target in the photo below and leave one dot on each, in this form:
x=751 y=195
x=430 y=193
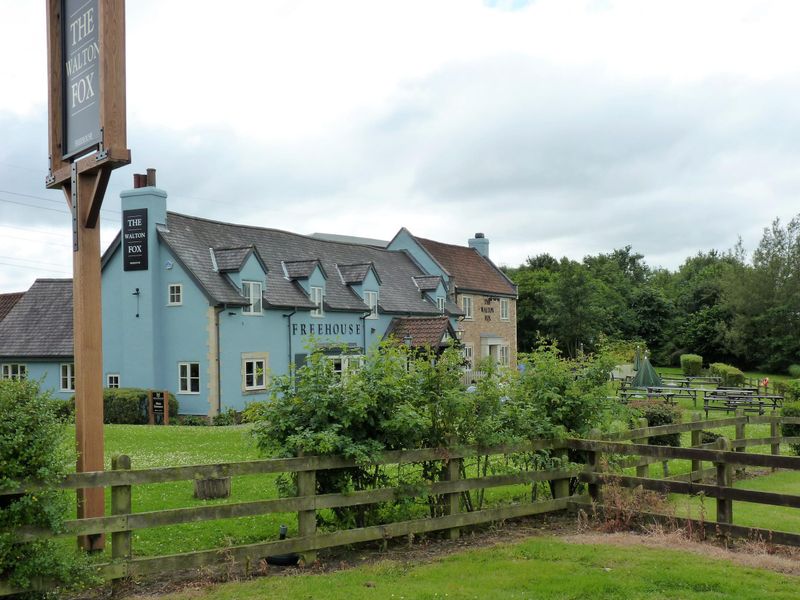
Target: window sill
x=188 y=393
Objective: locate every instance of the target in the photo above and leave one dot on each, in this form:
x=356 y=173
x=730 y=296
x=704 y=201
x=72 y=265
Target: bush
x=227 y=417
x=794 y=371
x=659 y=413
x=790 y=390
x=33 y=447
x=730 y=376
x=791 y=430
x=691 y=364
x=128 y=406
x=192 y=420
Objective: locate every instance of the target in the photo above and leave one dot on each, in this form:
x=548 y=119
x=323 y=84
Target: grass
x=541 y=567
x=777 y=518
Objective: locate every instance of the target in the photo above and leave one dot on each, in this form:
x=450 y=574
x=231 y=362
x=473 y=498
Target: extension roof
x=40 y=324
x=189 y=238
x=468 y=269
x=421 y=331
x=7 y=302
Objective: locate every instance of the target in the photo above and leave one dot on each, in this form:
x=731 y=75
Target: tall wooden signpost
x=87 y=140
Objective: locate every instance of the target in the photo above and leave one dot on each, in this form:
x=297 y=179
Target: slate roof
x=7 y=302
x=40 y=323
x=354 y=273
x=189 y=238
x=428 y=283
x=301 y=269
x=468 y=269
x=423 y=331
x=232 y=259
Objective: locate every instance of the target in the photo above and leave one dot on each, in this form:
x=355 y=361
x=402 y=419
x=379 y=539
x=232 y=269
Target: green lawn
x=542 y=568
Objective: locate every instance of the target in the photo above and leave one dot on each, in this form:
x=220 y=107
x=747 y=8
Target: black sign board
x=80 y=35
x=158 y=403
x=134 y=239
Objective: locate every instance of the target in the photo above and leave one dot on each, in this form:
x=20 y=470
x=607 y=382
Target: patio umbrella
x=646 y=376
x=637 y=360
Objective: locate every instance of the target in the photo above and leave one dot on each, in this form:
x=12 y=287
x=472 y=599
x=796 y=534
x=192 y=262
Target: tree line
x=724 y=305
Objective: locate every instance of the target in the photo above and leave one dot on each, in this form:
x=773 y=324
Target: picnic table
x=749 y=402
x=649 y=393
x=679 y=392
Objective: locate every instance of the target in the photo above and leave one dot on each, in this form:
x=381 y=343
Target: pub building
x=210 y=310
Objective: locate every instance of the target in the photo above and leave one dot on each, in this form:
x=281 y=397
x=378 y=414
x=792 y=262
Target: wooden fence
x=123 y=520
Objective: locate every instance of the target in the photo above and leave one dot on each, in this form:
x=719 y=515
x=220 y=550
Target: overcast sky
x=564 y=126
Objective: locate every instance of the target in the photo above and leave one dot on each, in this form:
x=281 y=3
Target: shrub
x=227 y=417
x=691 y=364
x=794 y=371
x=791 y=430
x=730 y=376
x=128 y=406
x=192 y=420
x=790 y=390
x=659 y=413
x=33 y=446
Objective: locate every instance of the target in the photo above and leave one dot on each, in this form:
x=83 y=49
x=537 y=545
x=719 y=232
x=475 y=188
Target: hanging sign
x=80 y=37
x=134 y=239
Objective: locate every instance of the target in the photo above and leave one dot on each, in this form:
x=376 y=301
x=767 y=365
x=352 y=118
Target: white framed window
x=346 y=363
x=15 y=371
x=466 y=306
x=317 y=295
x=67 y=377
x=440 y=303
x=505 y=355
x=255 y=374
x=188 y=378
x=252 y=291
x=504 y=314
x=371 y=299
x=112 y=380
x=175 y=294
x=467 y=352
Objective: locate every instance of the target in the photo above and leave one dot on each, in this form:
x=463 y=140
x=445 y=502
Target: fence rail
x=123 y=521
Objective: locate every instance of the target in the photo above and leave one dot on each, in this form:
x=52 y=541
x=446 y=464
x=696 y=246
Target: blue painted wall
x=404 y=241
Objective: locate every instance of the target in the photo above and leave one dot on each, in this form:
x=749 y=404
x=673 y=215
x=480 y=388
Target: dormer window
x=371 y=299
x=252 y=291
x=440 y=303
x=317 y=295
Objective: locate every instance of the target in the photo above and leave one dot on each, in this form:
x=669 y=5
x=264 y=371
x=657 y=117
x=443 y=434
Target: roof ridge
x=292 y=233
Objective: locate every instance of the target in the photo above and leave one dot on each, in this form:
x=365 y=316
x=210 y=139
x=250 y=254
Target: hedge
x=691 y=364
x=128 y=406
x=659 y=413
x=790 y=390
x=731 y=376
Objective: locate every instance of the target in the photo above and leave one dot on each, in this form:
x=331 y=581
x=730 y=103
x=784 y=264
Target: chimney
x=480 y=243
x=141 y=180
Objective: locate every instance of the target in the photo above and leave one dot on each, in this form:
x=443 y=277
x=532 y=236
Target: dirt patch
x=758 y=555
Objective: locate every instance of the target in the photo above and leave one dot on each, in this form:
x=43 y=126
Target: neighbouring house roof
x=350 y=239
x=7 y=302
x=189 y=238
x=421 y=331
x=39 y=325
x=468 y=269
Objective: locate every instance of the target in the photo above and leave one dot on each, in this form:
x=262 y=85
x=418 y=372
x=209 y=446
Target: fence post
x=697 y=439
x=593 y=458
x=453 y=498
x=642 y=470
x=561 y=486
x=120 y=505
x=307 y=519
x=724 y=505
x=774 y=432
x=740 y=435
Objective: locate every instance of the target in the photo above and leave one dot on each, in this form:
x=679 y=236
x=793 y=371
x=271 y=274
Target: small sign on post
x=158 y=407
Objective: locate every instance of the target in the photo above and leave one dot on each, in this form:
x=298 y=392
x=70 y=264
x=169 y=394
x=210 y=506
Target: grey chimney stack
x=480 y=243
